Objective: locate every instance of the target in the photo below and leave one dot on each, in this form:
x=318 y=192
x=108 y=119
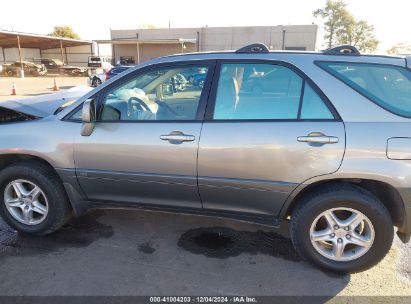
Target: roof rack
x=254 y=48
x=342 y=50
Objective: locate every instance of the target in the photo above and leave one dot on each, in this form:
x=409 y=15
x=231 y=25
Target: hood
x=47 y=104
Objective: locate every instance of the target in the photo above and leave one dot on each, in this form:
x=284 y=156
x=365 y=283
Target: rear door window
x=386 y=85
x=266 y=91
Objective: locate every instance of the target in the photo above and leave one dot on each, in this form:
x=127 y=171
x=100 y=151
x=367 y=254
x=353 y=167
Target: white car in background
x=101 y=62
x=98 y=78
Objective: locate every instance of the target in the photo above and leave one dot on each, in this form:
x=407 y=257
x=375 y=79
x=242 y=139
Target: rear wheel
x=342 y=228
x=33 y=199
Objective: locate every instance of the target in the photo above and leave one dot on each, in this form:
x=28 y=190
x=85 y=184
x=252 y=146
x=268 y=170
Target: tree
x=64 y=32
x=400 y=48
x=342 y=28
x=359 y=34
x=335 y=14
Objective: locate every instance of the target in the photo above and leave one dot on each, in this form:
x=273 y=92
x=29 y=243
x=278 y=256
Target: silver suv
x=321 y=141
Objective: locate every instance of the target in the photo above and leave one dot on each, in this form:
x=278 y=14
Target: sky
x=93 y=19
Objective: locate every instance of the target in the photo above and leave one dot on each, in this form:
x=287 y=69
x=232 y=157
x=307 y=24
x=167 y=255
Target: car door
x=257 y=144
x=143 y=149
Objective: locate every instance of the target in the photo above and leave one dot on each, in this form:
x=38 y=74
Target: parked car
x=1 y=69
x=199 y=80
x=98 y=78
x=191 y=74
x=56 y=66
x=99 y=62
x=326 y=150
x=28 y=67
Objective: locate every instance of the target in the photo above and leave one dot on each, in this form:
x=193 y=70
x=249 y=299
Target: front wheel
x=342 y=228
x=33 y=199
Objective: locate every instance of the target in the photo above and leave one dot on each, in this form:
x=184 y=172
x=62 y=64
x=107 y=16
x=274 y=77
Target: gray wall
x=74 y=55
x=12 y=54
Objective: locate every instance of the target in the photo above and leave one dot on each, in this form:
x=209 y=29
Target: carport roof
x=8 y=39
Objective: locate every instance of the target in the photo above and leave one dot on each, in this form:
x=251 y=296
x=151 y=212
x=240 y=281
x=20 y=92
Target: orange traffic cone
x=13 y=89
x=55 y=87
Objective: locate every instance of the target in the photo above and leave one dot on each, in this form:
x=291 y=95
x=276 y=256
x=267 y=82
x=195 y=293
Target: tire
x=340 y=200
x=52 y=194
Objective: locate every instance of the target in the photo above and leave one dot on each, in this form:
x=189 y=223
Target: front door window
x=162 y=95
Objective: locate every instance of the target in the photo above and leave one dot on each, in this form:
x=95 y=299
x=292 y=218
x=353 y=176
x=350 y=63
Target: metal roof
x=8 y=39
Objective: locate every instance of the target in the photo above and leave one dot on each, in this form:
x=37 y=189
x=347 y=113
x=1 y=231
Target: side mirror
x=88 y=117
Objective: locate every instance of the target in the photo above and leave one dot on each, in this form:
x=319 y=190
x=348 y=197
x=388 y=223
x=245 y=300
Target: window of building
x=125 y=60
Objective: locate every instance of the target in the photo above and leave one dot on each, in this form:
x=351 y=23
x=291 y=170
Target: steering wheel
x=141 y=104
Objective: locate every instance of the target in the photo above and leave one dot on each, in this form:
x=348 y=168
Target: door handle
x=318 y=139
x=177 y=136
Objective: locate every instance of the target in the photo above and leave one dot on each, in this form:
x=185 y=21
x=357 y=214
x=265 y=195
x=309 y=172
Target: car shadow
x=162 y=254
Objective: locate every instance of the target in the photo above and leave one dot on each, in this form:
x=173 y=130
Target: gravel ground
x=128 y=252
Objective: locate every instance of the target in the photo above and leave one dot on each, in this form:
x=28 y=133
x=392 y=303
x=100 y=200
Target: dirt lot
x=33 y=86
x=123 y=252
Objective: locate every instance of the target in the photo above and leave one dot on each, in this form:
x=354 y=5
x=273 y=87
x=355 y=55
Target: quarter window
x=265 y=91
x=313 y=106
x=164 y=94
x=386 y=85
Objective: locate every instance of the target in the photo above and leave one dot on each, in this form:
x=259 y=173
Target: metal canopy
x=8 y=39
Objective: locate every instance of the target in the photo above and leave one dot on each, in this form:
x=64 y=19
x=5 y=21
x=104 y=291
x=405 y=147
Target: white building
x=138 y=45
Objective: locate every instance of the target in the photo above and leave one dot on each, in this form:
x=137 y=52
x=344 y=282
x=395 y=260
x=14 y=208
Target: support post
x=283 y=44
x=65 y=52
x=61 y=51
x=138 y=53
x=21 y=57
x=198 y=41
x=113 y=54
x=4 y=54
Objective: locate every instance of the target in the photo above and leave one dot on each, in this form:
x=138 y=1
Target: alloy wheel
x=342 y=234
x=26 y=202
